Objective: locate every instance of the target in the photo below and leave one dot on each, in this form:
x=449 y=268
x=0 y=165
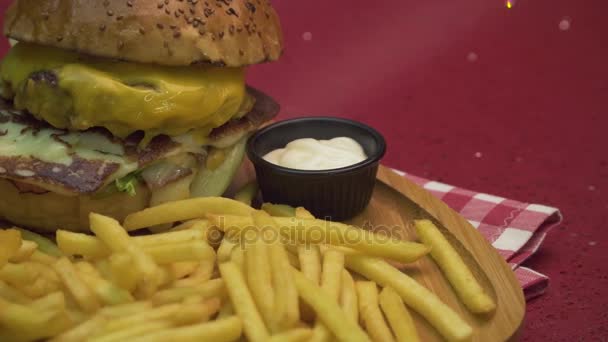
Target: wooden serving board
x=396 y=202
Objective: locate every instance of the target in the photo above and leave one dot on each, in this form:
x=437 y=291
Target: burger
x=112 y=106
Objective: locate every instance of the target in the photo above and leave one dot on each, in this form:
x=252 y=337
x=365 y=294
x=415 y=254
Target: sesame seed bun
x=168 y=32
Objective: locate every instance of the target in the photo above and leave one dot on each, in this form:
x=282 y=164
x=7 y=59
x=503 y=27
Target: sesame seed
x=201 y=31
x=59 y=38
x=119 y=17
x=176 y=34
x=160 y=26
x=173 y=27
x=130 y=3
x=102 y=27
x=160 y=5
x=181 y=10
x=231 y=11
x=177 y=14
x=110 y=13
x=166 y=2
x=142 y=31
x=221 y=34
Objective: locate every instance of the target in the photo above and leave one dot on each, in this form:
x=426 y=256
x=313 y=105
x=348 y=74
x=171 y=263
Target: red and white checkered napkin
x=515 y=229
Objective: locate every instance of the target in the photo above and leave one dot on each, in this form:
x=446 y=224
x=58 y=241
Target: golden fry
x=416 y=296
x=185 y=210
x=286 y=308
x=82 y=331
x=84 y=296
x=10 y=242
x=221 y=330
x=348 y=297
x=376 y=327
x=205 y=269
x=29 y=324
x=183 y=251
x=259 y=279
x=398 y=316
x=328 y=311
x=243 y=303
x=455 y=270
x=211 y=288
x=106 y=291
x=120 y=271
x=226 y=310
x=164 y=312
x=301 y=212
x=88 y=246
x=335 y=233
x=294 y=335
x=125 y=309
x=224 y=252
x=117 y=239
x=52 y=302
x=310 y=262
x=24 y=252
x=131 y=332
x=333 y=265
x=11 y=294
x=196 y=312
x=42 y=258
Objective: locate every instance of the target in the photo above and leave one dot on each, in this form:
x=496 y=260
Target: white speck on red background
x=307 y=36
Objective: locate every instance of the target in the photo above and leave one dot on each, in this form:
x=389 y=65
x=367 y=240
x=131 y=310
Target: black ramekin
x=336 y=194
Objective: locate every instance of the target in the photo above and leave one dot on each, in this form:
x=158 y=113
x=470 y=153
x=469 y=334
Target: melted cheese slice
x=83 y=92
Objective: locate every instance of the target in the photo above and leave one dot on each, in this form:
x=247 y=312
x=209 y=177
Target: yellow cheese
x=123 y=97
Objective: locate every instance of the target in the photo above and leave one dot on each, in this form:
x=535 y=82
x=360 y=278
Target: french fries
x=367 y=292
x=456 y=271
x=397 y=315
x=259 y=279
x=185 y=210
x=201 y=280
x=72 y=281
x=328 y=311
x=221 y=330
x=333 y=265
x=242 y=302
x=335 y=233
x=294 y=335
x=348 y=297
x=117 y=239
x=416 y=296
x=286 y=311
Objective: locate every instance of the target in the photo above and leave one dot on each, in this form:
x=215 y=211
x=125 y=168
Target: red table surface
x=512 y=102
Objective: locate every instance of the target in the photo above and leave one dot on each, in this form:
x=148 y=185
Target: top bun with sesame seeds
x=230 y=33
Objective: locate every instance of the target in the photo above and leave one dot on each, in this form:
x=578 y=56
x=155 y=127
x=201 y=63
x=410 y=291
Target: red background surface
x=526 y=119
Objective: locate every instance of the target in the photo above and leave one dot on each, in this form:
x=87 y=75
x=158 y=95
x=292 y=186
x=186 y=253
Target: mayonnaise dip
x=312 y=154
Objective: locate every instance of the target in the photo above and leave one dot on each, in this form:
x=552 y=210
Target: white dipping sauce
x=312 y=154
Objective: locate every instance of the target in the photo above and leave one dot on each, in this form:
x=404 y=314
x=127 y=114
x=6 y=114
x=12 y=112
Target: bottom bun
x=49 y=211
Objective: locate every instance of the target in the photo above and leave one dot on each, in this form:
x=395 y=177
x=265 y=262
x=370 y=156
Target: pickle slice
x=208 y=183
